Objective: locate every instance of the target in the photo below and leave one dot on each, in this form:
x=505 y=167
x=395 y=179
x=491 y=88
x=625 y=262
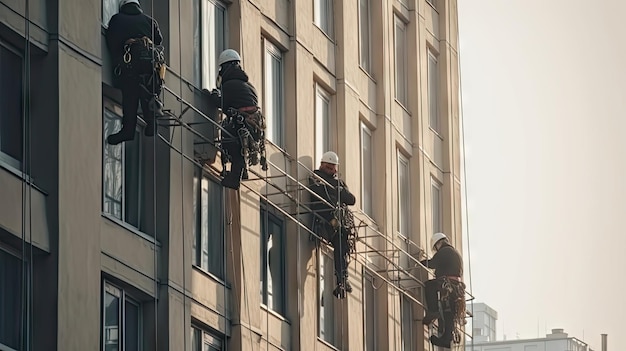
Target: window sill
x=369 y=218
x=210 y=276
x=274 y=313
x=437 y=134
x=130 y=228
x=3 y=347
x=406 y=109
x=432 y=6
x=327 y=343
x=328 y=36
x=18 y=173
x=367 y=73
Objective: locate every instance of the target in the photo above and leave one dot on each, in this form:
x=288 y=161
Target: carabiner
x=127 y=56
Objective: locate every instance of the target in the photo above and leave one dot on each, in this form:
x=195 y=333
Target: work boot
x=348 y=286
x=149 y=131
x=231 y=181
x=441 y=342
x=156 y=106
x=119 y=137
x=340 y=291
x=430 y=317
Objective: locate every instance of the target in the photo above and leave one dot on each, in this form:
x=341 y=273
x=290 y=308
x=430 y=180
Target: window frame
x=105 y=24
x=203 y=333
x=403 y=159
x=324 y=21
x=115 y=112
x=368 y=278
x=5 y=158
x=400 y=61
x=365 y=55
x=405 y=306
x=367 y=202
x=267 y=216
x=22 y=265
x=324 y=257
x=434 y=115
x=203 y=58
x=123 y=297
x=327 y=142
x=200 y=177
x=436 y=184
x=275 y=114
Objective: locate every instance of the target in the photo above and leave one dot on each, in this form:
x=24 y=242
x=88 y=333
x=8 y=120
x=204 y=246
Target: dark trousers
x=132 y=95
x=432 y=305
x=339 y=240
x=232 y=145
x=340 y=252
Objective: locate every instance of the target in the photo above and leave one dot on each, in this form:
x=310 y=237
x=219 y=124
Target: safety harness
x=452 y=297
x=144 y=61
x=248 y=125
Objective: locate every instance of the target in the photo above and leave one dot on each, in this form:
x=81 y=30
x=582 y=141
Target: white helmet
x=228 y=55
x=436 y=238
x=124 y=2
x=330 y=157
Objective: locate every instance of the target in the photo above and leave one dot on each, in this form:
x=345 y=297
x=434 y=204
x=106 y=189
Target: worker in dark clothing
x=448 y=265
x=132 y=37
x=244 y=123
x=331 y=224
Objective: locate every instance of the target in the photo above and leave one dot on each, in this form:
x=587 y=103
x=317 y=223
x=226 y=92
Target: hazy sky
x=544 y=90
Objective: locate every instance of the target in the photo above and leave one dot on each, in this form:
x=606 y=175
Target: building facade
x=483 y=322
x=138 y=247
x=557 y=340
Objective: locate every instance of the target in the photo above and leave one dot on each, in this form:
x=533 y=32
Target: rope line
x=26 y=303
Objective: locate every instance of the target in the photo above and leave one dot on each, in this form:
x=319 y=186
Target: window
x=205 y=341
x=122 y=321
x=369 y=312
x=272 y=262
x=123 y=173
x=365 y=20
x=404 y=202
x=323 y=13
x=10 y=300
x=11 y=111
x=209 y=40
x=109 y=8
x=322 y=123
x=401 y=59
x=433 y=93
x=208 y=245
x=437 y=206
x=274 y=93
x=326 y=300
x=367 y=170
x=407 y=324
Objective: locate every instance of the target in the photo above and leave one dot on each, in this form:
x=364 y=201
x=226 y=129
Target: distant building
x=484 y=323
x=558 y=340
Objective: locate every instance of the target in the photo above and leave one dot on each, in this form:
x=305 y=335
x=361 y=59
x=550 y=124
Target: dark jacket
x=129 y=23
x=446 y=262
x=329 y=193
x=236 y=90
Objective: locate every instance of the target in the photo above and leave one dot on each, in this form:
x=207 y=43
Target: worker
x=244 y=125
x=448 y=265
x=132 y=38
x=330 y=205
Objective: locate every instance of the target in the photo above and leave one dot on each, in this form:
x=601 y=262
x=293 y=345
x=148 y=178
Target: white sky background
x=544 y=92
